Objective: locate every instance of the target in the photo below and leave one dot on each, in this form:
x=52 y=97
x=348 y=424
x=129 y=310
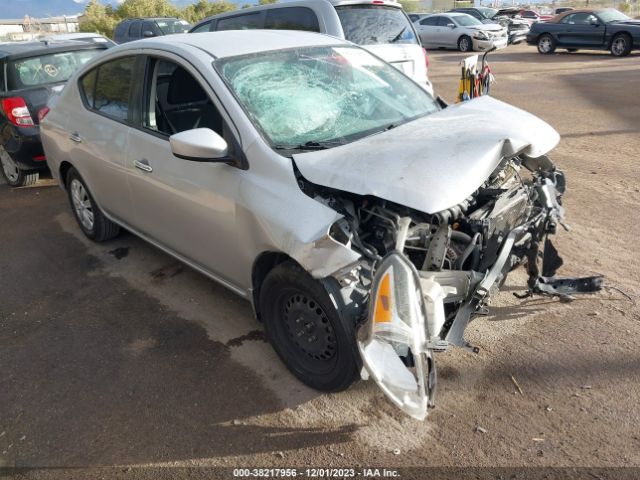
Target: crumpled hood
x=435 y=162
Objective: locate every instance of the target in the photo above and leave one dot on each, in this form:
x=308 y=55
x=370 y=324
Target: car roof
x=28 y=49
x=229 y=43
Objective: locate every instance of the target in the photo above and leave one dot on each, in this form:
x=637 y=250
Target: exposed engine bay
x=422 y=277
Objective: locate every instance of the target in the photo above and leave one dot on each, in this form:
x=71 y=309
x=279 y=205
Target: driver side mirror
x=451 y=25
x=148 y=34
x=200 y=145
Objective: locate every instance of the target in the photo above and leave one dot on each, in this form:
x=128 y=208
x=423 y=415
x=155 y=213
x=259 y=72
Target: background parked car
x=381 y=27
x=81 y=37
x=517 y=27
x=534 y=16
x=30 y=73
x=137 y=28
x=461 y=31
x=590 y=29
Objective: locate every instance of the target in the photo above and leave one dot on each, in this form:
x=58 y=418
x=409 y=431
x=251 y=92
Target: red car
x=534 y=16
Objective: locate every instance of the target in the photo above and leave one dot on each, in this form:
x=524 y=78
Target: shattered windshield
x=322 y=96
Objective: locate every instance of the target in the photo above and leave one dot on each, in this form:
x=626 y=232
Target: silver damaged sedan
x=365 y=221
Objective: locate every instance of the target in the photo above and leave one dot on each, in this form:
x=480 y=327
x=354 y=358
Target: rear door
x=428 y=31
x=385 y=31
x=100 y=132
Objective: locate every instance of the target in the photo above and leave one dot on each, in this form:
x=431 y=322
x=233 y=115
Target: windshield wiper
x=310 y=145
x=397 y=37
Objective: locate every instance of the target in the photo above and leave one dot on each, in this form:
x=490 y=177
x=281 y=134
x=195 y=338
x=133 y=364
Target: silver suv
x=381 y=27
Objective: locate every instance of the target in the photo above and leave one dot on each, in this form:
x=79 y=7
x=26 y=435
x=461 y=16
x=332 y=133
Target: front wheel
x=92 y=221
x=621 y=45
x=15 y=176
x=465 y=44
x=313 y=339
x=546 y=44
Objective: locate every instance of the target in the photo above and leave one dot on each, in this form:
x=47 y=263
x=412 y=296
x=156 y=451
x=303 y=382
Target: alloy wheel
x=9 y=167
x=82 y=204
x=545 y=44
x=464 y=44
x=619 y=46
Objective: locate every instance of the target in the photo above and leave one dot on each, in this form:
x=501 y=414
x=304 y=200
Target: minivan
x=380 y=26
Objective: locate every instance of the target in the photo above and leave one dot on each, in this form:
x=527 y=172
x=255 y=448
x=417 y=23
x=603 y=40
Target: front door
x=186 y=206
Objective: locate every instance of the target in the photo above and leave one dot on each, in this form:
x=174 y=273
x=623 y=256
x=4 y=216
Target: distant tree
x=624 y=7
x=98 y=18
x=203 y=9
x=266 y=2
x=146 y=8
x=247 y=5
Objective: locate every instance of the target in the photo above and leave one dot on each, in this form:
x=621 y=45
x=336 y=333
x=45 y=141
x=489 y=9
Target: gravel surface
x=115 y=357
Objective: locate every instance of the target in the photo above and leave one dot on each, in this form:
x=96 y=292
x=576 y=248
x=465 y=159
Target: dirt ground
x=115 y=358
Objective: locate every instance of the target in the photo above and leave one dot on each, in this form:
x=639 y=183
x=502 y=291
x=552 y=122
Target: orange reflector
x=382 y=312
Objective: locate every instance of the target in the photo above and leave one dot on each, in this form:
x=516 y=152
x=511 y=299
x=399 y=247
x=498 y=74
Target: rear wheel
x=315 y=342
x=89 y=216
x=546 y=44
x=621 y=45
x=465 y=44
x=15 y=176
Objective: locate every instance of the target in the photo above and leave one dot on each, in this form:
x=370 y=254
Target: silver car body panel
x=435 y=162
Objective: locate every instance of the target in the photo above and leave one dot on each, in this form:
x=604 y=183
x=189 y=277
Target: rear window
x=167 y=27
x=375 y=24
x=292 y=18
x=46 y=69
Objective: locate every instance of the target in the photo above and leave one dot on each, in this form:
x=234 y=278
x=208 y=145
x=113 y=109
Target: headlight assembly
x=397 y=327
x=480 y=36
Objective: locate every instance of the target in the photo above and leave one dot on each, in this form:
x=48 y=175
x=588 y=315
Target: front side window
x=46 y=69
x=202 y=28
x=107 y=88
x=330 y=95
x=135 y=30
x=175 y=101
x=241 y=22
x=582 y=18
x=375 y=25
x=292 y=18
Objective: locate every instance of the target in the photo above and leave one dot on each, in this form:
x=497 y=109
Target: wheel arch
x=63 y=170
x=262 y=265
x=617 y=34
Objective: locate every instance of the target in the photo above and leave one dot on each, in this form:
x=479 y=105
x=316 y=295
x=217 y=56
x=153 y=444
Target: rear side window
x=292 y=18
x=241 y=22
x=202 y=28
x=135 y=30
x=107 y=88
x=375 y=24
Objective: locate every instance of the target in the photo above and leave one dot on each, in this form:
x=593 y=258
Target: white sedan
x=461 y=31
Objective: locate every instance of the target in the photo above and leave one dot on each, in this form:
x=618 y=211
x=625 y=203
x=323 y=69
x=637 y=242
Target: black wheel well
x=265 y=262
x=64 y=170
x=617 y=34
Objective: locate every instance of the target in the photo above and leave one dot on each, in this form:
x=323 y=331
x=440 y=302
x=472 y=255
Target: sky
x=44 y=8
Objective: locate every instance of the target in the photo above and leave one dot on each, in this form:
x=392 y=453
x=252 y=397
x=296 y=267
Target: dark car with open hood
x=29 y=74
x=587 y=29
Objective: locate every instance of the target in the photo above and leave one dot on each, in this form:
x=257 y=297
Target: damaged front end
x=427 y=275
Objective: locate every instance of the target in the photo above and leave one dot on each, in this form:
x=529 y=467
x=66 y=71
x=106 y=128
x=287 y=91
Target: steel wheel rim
x=619 y=44
x=82 y=204
x=309 y=328
x=545 y=45
x=9 y=167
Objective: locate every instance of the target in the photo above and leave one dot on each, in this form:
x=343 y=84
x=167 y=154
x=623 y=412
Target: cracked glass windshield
x=319 y=97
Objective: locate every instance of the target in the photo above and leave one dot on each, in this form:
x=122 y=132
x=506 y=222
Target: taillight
x=426 y=57
x=17 y=112
x=43 y=113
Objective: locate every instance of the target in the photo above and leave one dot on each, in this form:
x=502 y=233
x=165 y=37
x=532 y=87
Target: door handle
x=143 y=165
x=75 y=137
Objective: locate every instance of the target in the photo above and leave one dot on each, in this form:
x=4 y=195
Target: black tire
x=465 y=44
x=572 y=50
x=13 y=174
x=621 y=45
x=313 y=339
x=100 y=229
x=546 y=44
